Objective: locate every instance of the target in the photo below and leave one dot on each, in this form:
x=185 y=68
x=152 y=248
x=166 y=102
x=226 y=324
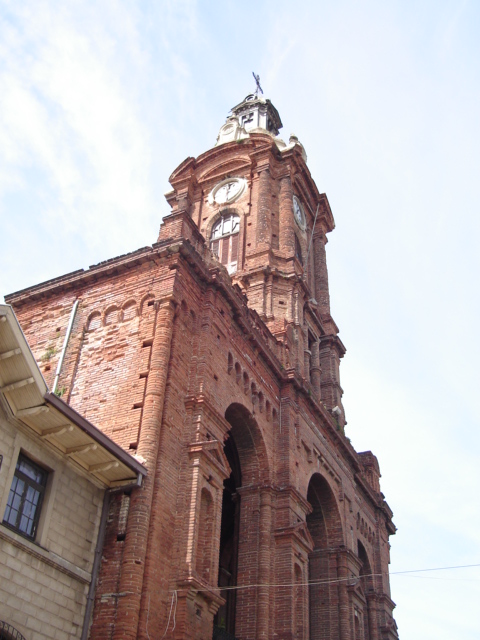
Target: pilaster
x=322 y=295
x=264 y=207
x=138 y=527
x=287 y=229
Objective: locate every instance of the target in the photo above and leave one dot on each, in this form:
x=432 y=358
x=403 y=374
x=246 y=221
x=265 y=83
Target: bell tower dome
x=260 y=213
x=258 y=113
x=254 y=113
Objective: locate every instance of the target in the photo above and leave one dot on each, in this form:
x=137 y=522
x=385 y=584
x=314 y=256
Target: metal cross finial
x=258 y=87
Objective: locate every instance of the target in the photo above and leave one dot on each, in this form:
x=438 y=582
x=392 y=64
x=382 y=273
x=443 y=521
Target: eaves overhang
x=25 y=393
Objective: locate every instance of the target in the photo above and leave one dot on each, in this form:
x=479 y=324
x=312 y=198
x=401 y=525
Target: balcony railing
x=7 y=632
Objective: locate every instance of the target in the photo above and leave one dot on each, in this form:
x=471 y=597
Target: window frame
x=29 y=483
x=225 y=246
x=298 y=250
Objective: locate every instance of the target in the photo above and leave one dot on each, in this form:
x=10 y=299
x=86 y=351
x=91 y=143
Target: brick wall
x=171 y=358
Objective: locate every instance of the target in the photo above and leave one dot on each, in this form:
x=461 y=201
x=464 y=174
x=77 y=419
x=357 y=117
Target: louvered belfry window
x=224 y=241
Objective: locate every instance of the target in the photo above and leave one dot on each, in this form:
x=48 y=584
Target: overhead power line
x=460 y=566
x=350 y=580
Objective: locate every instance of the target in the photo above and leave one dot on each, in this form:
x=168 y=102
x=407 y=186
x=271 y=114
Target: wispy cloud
x=68 y=117
x=101 y=100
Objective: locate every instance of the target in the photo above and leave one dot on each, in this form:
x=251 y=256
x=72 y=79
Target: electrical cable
x=349 y=579
x=174 y=599
x=460 y=566
x=148 y=615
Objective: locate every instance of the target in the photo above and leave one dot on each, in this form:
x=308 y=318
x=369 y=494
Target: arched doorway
x=227 y=569
x=245 y=452
x=325 y=528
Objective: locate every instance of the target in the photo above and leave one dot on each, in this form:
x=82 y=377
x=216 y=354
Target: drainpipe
x=98 y=553
x=65 y=344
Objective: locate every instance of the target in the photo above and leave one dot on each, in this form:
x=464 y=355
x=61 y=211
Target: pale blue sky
x=100 y=101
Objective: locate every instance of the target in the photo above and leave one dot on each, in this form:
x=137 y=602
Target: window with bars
x=25 y=497
x=224 y=241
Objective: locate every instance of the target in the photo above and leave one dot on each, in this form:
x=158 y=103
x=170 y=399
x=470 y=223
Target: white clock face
x=227 y=190
x=299 y=214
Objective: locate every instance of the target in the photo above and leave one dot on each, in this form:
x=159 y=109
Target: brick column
x=265 y=536
x=307 y=357
x=322 y=295
x=264 y=210
x=372 y=616
x=287 y=230
x=248 y=560
x=268 y=296
x=343 y=599
x=331 y=350
x=131 y=581
x=315 y=371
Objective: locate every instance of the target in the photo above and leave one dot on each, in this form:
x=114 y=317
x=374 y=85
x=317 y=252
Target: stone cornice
x=210 y=272
x=247 y=319
x=333 y=342
x=93 y=273
x=202 y=408
x=298 y=532
x=378 y=501
x=299 y=166
x=212 y=453
x=192 y=585
x=256 y=143
x=327 y=421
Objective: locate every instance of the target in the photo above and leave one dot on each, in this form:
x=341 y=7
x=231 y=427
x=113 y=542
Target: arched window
x=298 y=250
x=224 y=240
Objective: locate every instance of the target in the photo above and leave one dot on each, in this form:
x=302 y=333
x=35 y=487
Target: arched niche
x=94 y=321
x=365 y=617
x=325 y=527
x=147 y=304
x=366 y=568
x=129 y=310
x=111 y=315
x=249 y=443
x=205 y=533
x=324 y=522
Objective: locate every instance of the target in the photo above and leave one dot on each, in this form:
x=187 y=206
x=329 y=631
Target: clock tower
x=212 y=357
x=255 y=202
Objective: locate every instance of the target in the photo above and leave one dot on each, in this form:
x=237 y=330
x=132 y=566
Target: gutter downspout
x=65 y=344
x=98 y=553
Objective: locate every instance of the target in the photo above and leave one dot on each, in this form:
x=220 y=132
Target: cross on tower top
x=258 y=87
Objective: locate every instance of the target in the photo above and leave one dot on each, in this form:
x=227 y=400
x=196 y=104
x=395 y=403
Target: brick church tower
x=212 y=357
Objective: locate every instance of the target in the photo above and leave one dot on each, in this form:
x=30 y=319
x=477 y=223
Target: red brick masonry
x=212 y=379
